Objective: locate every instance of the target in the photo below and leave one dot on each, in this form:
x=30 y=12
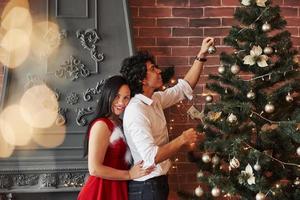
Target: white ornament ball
x=208 y=98
x=206 y=158
x=266 y=27
x=289 y=98
x=232 y=118
x=268 y=50
x=269 y=108
x=211 y=50
x=235 y=69
x=200 y=174
x=260 y=196
x=215 y=192
x=215 y=160
x=221 y=69
x=199 y=191
x=257 y=167
x=251 y=95
x=234 y=163
x=298 y=151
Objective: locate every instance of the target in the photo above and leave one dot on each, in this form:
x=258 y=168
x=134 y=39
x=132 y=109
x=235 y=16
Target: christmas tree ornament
x=260 y=196
x=232 y=118
x=257 y=167
x=268 y=50
x=199 y=191
x=269 y=108
x=289 y=98
x=248 y=172
x=256 y=57
x=206 y=158
x=194 y=113
x=211 y=50
x=215 y=192
x=215 y=160
x=298 y=151
x=297 y=181
x=266 y=27
x=251 y=95
x=214 y=116
x=208 y=98
x=234 y=163
x=200 y=174
x=235 y=69
x=246 y=2
x=221 y=69
x=261 y=3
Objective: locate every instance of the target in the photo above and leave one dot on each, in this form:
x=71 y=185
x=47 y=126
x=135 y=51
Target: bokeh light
x=18 y=18
x=45 y=38
x=50 y=137
x=15 y=47
x=13 y=127
x=6 y=149
x=39 y=106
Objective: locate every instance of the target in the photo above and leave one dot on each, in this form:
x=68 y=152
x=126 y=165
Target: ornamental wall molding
x=72 y=69
x=81 y=113
x=88 y=39
x=87 y=95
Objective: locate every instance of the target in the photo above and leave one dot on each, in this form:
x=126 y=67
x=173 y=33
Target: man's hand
x=191 y=137
x=206 y=43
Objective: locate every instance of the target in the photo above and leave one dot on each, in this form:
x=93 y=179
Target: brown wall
x=173 y=31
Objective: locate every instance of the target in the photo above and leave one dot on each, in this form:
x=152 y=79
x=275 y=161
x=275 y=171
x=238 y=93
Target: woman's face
x=121 y=100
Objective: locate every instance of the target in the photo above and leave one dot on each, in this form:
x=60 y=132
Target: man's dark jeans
x=156 y=188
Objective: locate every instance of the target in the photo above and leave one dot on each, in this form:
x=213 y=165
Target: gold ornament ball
x=269 y=108
x=215 y=192
x=268 y=50
x=208 y=98
x=289 y=98
x=235 y=69
x=251 y=95
x=211 y=50
x=266 y=27
x=221 y=69
x=234 y=163
x=206 y=158
x=260 y=196
x=199 y=191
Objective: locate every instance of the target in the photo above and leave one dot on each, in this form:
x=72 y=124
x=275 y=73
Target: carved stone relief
x=87 y=95
x=81 y=112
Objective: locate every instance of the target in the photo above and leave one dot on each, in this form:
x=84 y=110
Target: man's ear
x=143 y=81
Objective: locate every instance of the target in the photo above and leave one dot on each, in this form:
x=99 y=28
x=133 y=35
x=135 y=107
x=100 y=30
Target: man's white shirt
x=145 y=125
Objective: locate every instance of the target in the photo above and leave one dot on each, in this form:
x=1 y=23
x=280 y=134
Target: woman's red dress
x=97 y=188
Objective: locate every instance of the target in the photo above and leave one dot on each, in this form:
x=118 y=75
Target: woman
x=108 y=156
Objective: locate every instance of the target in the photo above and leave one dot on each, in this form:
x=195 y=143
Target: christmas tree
x=252 y=145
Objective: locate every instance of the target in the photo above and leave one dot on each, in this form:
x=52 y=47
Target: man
x=144 y=122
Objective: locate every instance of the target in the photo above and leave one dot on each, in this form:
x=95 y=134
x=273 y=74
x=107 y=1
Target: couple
x=145 y=130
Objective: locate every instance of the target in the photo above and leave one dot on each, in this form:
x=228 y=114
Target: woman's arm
x=98 y=144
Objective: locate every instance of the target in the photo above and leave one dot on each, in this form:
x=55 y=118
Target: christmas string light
x=275 y=159
x=270 y=74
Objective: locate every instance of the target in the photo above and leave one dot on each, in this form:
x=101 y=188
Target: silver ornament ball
x=234 y=163
x=257 y=167
x=215 y=160
x=251 y=95
x=211 y=50
x=289 y=98
x=232 y=118
x=199 y=191
x=235 y=69
x=260 y=196
x=200 y=174
x=206 y=158
x=266 y=27
x=208 y=98
x=215 y=192
x=221 y=69
x=269 y=108
x=298 y=151
x=268 y=50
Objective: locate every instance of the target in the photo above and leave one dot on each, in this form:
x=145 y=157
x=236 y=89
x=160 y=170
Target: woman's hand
x=138 y=171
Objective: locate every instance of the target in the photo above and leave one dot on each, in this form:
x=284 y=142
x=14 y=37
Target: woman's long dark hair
x=109 y=91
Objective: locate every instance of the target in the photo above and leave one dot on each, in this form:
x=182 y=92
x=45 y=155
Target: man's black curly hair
x=134 y=70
